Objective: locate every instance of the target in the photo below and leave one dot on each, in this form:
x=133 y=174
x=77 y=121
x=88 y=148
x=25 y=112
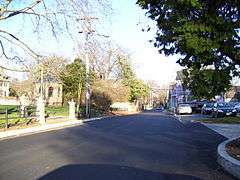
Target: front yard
x=223 y=120
x=57 y=111
x=14 y=116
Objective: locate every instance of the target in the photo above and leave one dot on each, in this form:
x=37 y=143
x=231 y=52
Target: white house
x=4 y=86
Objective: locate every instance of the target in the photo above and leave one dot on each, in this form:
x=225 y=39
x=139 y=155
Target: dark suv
x=207 y=108
x=223 y=109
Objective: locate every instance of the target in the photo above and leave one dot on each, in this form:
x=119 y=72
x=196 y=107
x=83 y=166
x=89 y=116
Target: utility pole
x=41 y=82
x=88 y=31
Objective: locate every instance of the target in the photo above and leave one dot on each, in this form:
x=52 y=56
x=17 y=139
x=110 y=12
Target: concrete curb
x=230 y=164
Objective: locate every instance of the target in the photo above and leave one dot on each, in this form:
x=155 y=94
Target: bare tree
x=105 y=58
x=39 y=17
x=51 y=66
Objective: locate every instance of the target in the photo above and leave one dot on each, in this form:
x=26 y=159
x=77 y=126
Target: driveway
x=146 y=146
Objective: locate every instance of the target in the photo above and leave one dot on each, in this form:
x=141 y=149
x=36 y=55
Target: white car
x=184 y=109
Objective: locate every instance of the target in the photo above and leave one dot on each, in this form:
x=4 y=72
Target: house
x=233 y=94
x=177 y=93
x=52 y=90
x=4 y=85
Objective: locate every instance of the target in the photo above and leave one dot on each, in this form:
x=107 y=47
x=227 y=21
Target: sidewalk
x=228 y=130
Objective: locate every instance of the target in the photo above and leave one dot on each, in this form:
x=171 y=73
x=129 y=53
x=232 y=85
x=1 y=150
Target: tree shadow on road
x=109 y=172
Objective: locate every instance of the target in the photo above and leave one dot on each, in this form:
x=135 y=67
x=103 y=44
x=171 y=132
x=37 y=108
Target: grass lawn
x=13 y=121
x=10 y=108
x=13 y=111
x=14 y=114
x=223 y=120
x=57 y=111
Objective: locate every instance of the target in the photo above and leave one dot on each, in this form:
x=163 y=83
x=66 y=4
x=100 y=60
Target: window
x=50 y=91
x=59 y=91
x=1 y=92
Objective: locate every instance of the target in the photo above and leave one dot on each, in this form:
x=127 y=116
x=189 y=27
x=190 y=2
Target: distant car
x=159 y=109
x=184 y=109
x=149 y=108
x=223 y=109
x=237 y=107
x=207 y=108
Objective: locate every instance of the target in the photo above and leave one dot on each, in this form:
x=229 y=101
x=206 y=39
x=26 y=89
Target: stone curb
x=230 y=164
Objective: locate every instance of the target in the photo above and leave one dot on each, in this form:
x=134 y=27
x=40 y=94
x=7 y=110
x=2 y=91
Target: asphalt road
x=147 y=146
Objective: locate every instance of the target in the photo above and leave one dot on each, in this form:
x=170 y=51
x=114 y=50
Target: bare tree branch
x=21 y=43
x=11 y=13
x=58 y=17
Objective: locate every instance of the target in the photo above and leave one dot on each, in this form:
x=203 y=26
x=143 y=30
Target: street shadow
x=109 y=172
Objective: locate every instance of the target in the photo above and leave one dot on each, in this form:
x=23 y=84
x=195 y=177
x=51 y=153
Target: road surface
x=147 y=146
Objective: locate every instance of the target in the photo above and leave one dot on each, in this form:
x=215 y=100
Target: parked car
x=237 y=107
x=184 y=109
x=223 y=109
x=197 y=105
x=207 y=108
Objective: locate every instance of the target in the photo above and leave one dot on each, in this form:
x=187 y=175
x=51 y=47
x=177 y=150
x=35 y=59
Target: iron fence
x=13 y=116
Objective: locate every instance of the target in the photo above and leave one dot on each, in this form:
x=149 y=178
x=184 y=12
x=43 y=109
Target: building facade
x=233 y=94
x=4 y=86
x=52 y=90
x=177 y=93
